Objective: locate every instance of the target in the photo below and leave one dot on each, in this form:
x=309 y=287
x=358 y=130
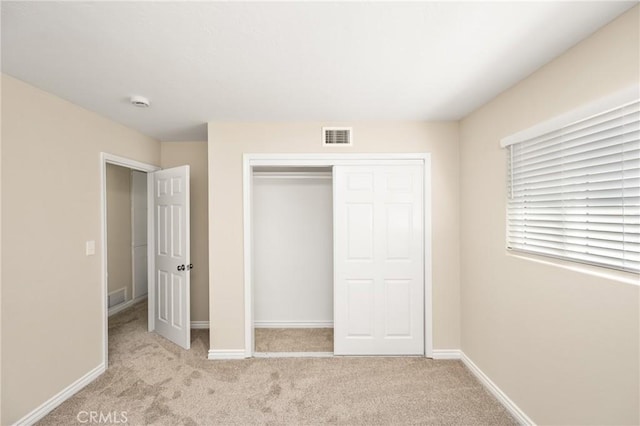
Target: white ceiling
x=286 y=61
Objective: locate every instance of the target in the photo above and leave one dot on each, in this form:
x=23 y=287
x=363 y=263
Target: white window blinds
x=574 y=191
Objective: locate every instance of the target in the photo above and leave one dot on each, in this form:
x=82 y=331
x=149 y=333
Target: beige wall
x=195 y=155
x=51 y=311
x=227 y=143
x=119 y=258
x=563 y=345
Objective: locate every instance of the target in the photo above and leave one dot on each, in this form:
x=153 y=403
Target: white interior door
x=171 y=252
x=379 y=260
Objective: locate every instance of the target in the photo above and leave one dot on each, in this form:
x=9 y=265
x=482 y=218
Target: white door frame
x=106 y=158
x=134 y=296
x=249 y=161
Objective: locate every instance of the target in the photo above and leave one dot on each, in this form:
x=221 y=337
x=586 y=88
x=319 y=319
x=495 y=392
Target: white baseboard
x=121 y=307
x=511 y=406
x=199 y=325
x=226 y=354
x=293 y=324
x=140 y=298
x=61 y=397
x=447 y=354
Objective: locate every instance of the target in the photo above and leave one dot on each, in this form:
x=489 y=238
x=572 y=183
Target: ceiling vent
x=337 y=136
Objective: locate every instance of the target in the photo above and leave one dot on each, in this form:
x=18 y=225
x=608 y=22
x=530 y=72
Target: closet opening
x=358 y=226
x=292 y=252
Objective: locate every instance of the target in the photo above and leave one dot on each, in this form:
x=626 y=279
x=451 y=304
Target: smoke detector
x=139 y=101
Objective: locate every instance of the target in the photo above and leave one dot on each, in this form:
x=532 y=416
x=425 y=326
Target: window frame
x=613 y=101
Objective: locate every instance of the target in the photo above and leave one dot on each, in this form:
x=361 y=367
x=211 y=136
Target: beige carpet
x=294 y=339
x=153 y=382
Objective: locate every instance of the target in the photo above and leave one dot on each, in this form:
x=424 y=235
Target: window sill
x=596 y=271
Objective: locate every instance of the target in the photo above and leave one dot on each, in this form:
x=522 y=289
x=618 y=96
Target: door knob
x=190 y=267
x=181 y=267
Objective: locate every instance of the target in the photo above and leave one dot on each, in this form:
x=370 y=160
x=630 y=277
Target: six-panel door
x=172 y=287
x=378 y=260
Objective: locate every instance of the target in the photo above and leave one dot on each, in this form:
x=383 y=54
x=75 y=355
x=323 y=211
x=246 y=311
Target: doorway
x=389 y=298
x=126 y=237
x=124 y=289
x=168 y=253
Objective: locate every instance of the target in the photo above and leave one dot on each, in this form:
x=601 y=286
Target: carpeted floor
x=294 y=339
x=150 y=381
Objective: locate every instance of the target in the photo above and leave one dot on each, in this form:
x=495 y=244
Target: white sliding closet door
x=379 y=260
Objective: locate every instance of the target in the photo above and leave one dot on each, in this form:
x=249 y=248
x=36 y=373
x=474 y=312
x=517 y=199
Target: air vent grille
x=336 y=136
x=117 y=297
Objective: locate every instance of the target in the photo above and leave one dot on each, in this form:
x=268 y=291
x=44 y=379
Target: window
x=574 y=187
